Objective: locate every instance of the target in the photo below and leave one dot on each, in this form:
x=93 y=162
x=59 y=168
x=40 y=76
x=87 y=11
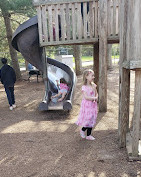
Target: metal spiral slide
x=26 y=41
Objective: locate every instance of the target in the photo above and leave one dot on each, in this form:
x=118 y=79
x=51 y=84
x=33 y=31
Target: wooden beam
x=63 y=22
x=85 y=19
x=137 y=113
x=79 y=21
x=103 y=55
x=73 y=22
x=114 y=18
x=113 y=40
x=44 y=27
x=39 y=15
x=68 y=22
x=124 y=79
x=134 y=64
x=96 y=19
x=49 y=2
x=50 y=23
x=124 y=100
x=45 y=72
x=56 y=24
x=91 y=19
x=71 y=42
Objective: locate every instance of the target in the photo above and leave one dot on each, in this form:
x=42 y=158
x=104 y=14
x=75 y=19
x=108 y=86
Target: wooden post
x=124 y=79
x=135 y=56
x=45 y=73
x=96 y=63
x=137 y=113
x=124 y=100
x=103 y=55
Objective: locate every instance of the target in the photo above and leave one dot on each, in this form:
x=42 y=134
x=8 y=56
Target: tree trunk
x=26 y=65
x=13 y=53
x=77 y=55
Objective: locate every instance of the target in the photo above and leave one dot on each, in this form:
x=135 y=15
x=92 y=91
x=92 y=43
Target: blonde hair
x=85 y=74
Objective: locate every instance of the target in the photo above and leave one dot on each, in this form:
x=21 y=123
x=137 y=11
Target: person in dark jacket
x=8 y=79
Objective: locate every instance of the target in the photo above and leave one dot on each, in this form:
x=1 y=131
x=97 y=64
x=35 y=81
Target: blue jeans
x=10 y=95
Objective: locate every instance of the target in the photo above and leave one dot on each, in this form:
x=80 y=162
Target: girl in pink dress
x=88 y=111
x=63 y=89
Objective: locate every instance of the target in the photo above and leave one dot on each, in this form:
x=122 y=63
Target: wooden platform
x=129 y=147
x=68 y=22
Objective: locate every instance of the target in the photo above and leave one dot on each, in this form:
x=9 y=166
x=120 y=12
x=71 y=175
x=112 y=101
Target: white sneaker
x=14 y=106
x=82 y=134
x=90 y=137
x=11 y=108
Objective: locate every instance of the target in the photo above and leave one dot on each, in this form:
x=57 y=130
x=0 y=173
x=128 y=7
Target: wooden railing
x=73 y=21
x=113 y=18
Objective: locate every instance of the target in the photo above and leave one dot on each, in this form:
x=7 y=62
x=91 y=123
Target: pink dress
x=88 y=111
x=64 y=87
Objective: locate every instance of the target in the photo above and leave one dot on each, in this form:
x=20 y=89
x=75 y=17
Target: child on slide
x=63 y=89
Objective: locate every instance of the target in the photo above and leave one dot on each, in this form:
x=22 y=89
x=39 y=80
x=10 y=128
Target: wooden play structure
x=130 y=59
x=99 y=22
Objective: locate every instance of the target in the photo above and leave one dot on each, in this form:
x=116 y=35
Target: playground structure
x=97 y=22
x=100 y=22
x=64 y=22
x=78 y=21
x=25 y=40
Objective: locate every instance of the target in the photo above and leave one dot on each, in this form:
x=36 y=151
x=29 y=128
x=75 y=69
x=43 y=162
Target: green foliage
x=18 y=6
x=4 y=50
x=115 y=49
x=19 y=11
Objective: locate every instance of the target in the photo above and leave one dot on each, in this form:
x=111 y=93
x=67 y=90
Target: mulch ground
x=48 y=144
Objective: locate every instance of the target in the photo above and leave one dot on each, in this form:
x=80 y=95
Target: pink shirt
x=64 y=86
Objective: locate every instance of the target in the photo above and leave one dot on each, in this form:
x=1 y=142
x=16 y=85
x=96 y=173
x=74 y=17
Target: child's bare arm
x=90 y=98
x=95 y=91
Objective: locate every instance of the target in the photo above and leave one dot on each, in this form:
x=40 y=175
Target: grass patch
x=85 y=58
x=116 y=56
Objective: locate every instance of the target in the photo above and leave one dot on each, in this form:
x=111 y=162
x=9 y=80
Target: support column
x=96 y=63
x=103 y=55
x=124 y=100
x=124 y=79
x=45 y=73
x=43 y=105
x=137 y=113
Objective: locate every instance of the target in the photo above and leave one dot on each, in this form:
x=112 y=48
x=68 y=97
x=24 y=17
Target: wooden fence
x=73 y=21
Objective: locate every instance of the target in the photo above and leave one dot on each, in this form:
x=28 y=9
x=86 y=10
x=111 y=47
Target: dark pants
x=10 y=95
x=89 y=130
